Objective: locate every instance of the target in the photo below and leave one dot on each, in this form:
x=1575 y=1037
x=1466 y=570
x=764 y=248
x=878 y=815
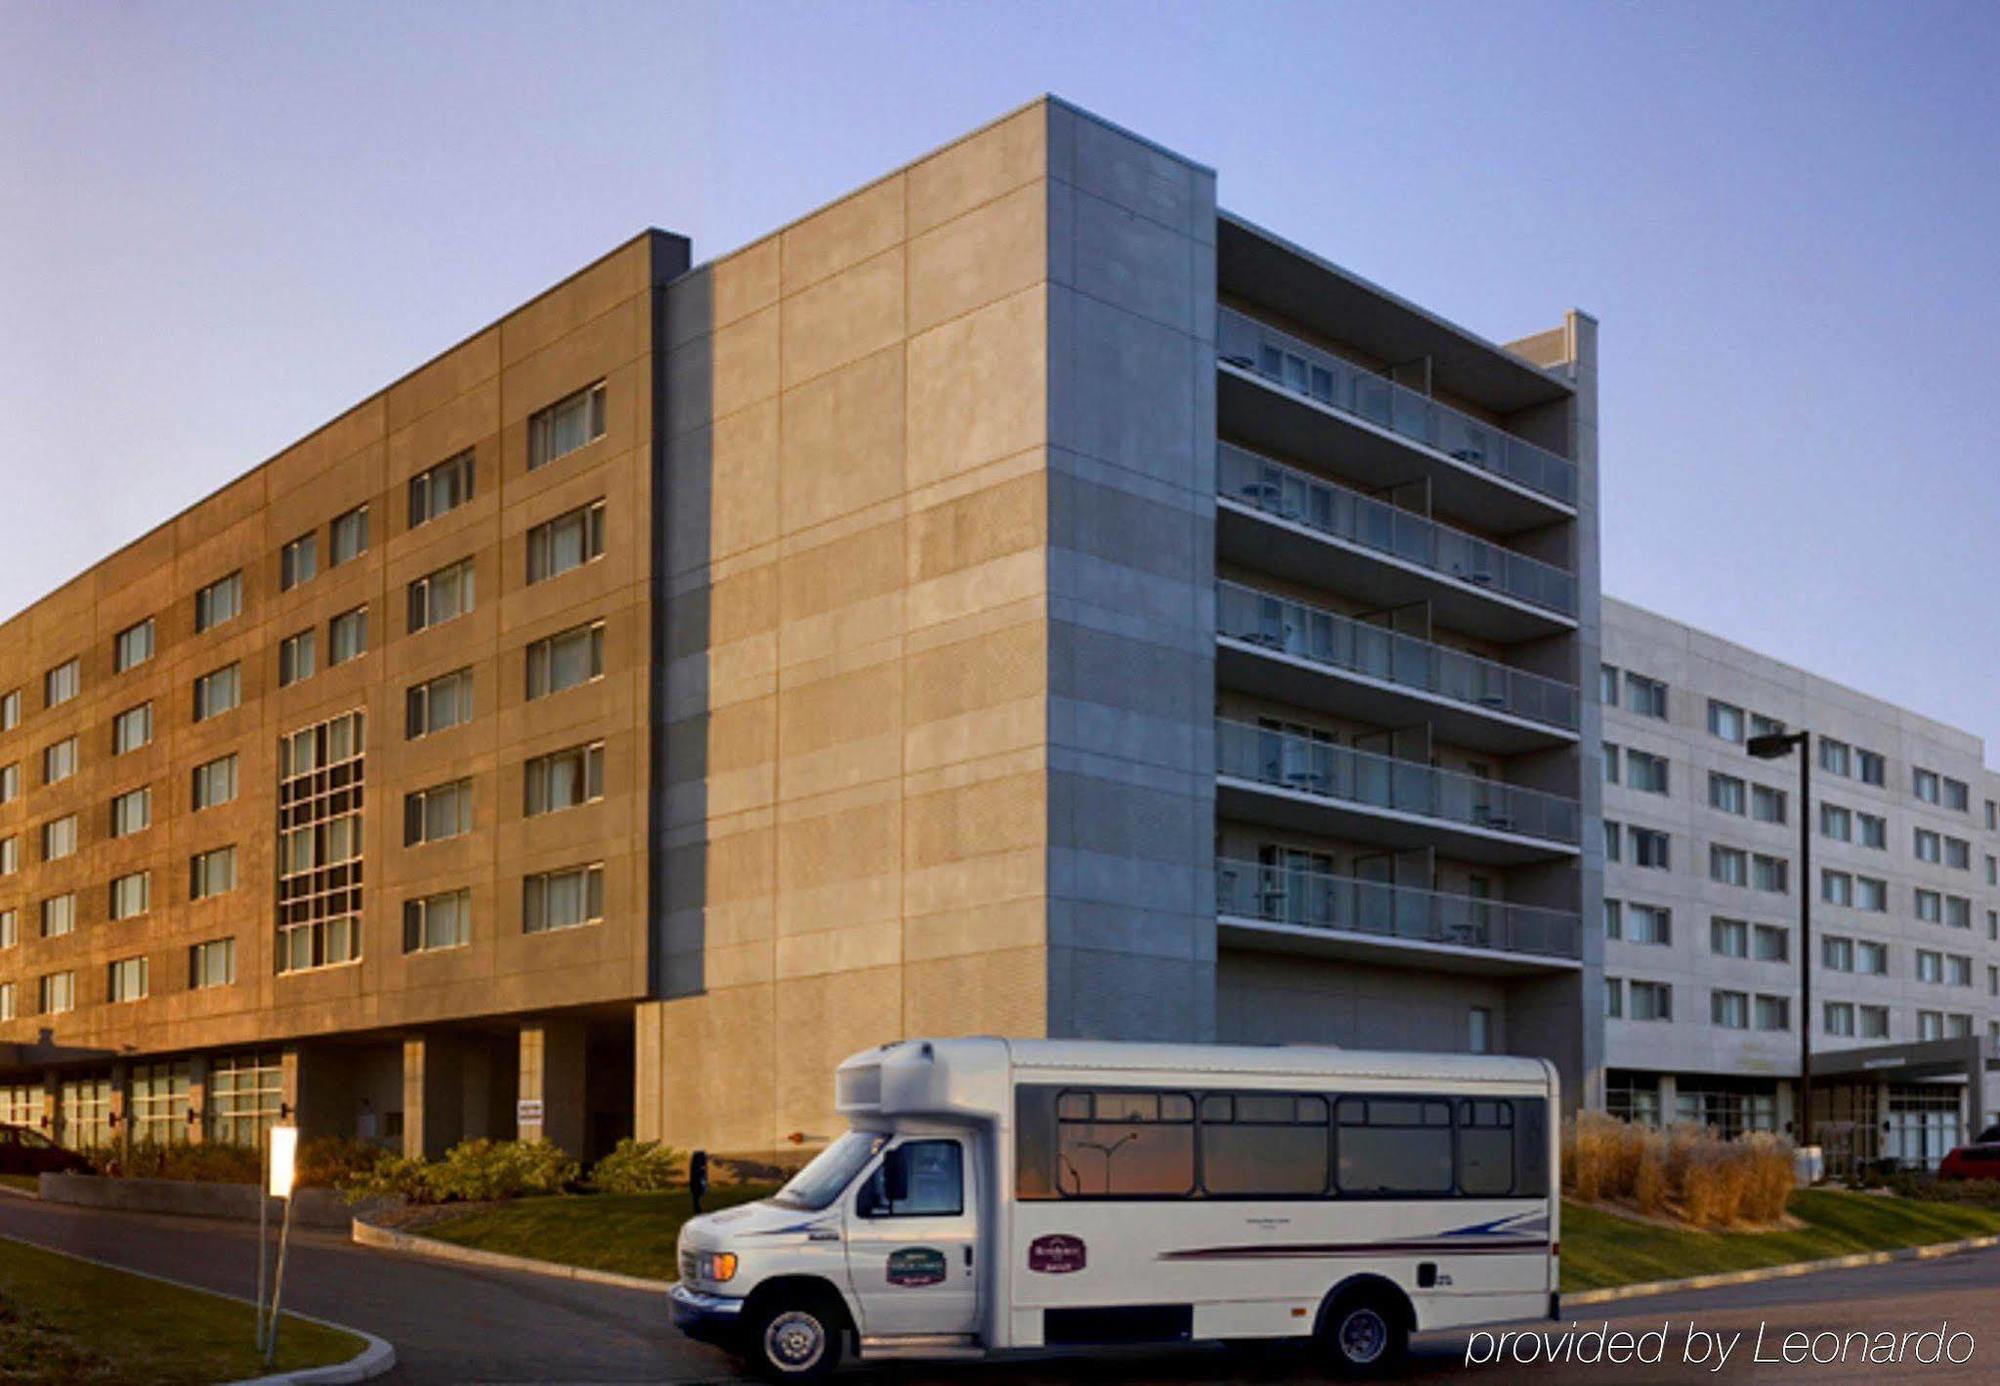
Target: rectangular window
x=1930 y=1025
x=212 y=873
x=1957 y=795
x=1610 y=762
x=570 y=423
x=1871 y=894
x=1924 y=784
x=1839 y=1019
x=1957 y=970
x=1268 y=1144
x=1725 y=720
x=1391 y=1146
x=221 y=600
x=10 y=928
x=568 y=541
x=1649 y=924
x=347 y=536
x=1958 y=854
x=58 y=993
x=441 y=596
x=347 y=636
x=1870 y=767
x=298 y=561
x=10 y=855
x=59 y=838
x=1871 y=959
x=566 y=660
x=1774 y=1013
x=1929 y=847
x=1874 y=1022
x=564 y=779
x=62 y=683
x=10 y=782
x=1769 y=943
x=298 y=657
x=1836 y=822
x=1647 y=697
x=1729 y=938
x=1646 y=773
x=1155 y=1129
x=441 y=489
x=440 y=812
x=58 y=916
x=1726 y=792
x=1930 y=906
x=1652 y=1001
x=218 y=692
x=212 y=964
x=1607 y=685
x=59 y=761
x=443 y=702
x=1729 y=865
x=437 y=921
x=132 y=729
x=1930 y=966
x=1729 y=1010
x=1834 y=756
x=135 y=646
x=1770 y=873
x=1614 y=999
x=1614 y=919
x=1957 y=912
x=1873 y=830
x=245 y=1097
x=1836 y=954
x=1479 y=1027
x=10 y=710
x=1767 y=805
x=128 y=980
x=1836 y=887
x=132 y=812
x=1614 y=841
x=131 y=895
x=321 y=782
x=215 y=782
x=1760 y=725
x=7 y=1005
x=562 y=899
x=1649 y=848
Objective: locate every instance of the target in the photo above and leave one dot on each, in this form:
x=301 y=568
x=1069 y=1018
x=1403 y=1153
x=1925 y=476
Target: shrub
x=197 y=1164
x=1710 y=1182
x=391 y=1176
x=1975 y=1193
x=330 y=1162
x=482 y=1170
x=640 y=1167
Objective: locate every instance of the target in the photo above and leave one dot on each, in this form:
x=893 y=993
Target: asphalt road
x=452 y=1324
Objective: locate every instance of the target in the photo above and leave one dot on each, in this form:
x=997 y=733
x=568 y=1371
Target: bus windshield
x=831 y=1171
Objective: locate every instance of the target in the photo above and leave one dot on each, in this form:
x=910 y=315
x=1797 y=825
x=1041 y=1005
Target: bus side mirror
x=895 y=1177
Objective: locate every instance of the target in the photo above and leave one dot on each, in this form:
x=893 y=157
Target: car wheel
x=1363 y=1335
x=797 y=1341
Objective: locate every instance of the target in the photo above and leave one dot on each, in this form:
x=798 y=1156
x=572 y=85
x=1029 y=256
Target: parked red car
x=23 y=1151
x=1980 y=1161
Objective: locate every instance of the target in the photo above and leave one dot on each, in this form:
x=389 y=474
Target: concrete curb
x=374 y=1359
x=18 y=1193
x=409 y=1244
x=1718 y=1279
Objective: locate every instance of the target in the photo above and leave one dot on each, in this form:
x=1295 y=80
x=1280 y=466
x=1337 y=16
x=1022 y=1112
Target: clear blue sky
x=223 y=224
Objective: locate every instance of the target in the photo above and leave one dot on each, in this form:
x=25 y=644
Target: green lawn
x=632 y=1234
x=28 y=1183
x=64 y=1320
x=1600 y=1249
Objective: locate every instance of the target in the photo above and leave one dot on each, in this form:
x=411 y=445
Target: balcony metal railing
x=1346 y=904
x=1323 y=637
x=1324 y=770
x=1251 y=479
x=1307 y=371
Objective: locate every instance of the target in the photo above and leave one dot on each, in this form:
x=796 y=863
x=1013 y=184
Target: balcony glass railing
x=1323 y=637
x=1345 y=904
x=1254 y=480
x=1307 y=765
x=1307 y=371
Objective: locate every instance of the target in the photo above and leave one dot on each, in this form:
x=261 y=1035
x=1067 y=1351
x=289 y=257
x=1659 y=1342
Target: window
x=564 y=661
x=1607 y=685
x=1930 y=1025
x=218 y=692
x=1646 y=697
x=1729 y=865
x=132 y=812
x=1767 y=805
x=215 y=782
x=1836 y=954
x=1770 y=873
x=59 y=761
x=212 y=964
x=1769 y=943
x=128 y=980
x=1874 y=1022
x=1614 y=841
x=1836 y=887
x=1646 y=772
x=1874 y=830
x=443 y=702
x=1834 y=756
x=132 y=729
x=562 y=899
x=10 y=855
x=1774 y=1013
x=1760 y=725
x=10 y=710
x=1871 y=959
x=245 y=1097
x=933 y=1178
x=1614 y=998
x=58 y=993
x=1871 y=894
x=212 y=873
x=1388 y=1146
x=347 y=536
x=441 y=596
x=1649 y=848
x=437 y=922
x=59 y=837
x=1836 y=822
x=1152 y=1132
x=1726 y=792
x=1929 y=846
x=298 y=657
x=1957 y=912
x=1729 y=938
x=1930 y=966
x=1479 y=1023
x=298 y=561
x=1930 y=906
x=1725 y=720
x=134 y=647
x=7 y=1007
x=437 y=813
x=1957 y=795
x=1729 y=1010
x=1957 y=1025
x=1649 y=924
x=568 y=541
x=321 y=782
x=62 y=683
x=1652 y=1001
x=1614 y=919
x=1269 y=1144
x=10 y=928
x=1957 y=970
x=1839 y=1019
x=10 y=783
x=1958 y=854
x=58 y=916
x=1872 y=768
x=347 y=636
x=221 y=600
x=131 y=895
x=1610 y=762
x=565 y=779
x=570 y=423
x=1924 y=784
x=441 y=489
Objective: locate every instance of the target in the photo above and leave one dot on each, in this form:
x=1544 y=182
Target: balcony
x=1383 y=922
x=1282 y=779
x=1297 y=653
x=1289 y=522
x=1477 y=464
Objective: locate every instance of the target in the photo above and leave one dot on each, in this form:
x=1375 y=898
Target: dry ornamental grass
x=1683 y=1171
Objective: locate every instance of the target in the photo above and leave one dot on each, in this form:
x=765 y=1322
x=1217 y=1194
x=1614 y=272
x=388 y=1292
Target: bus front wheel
x=796 y=1340
x=1364 y=1333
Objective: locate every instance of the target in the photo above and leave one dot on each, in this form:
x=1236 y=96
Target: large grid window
x=127 y=979
x=131 y=895
x=564 y=779
x=217 y=692
x=85 y=1107
x=21 y=1105
x=215 y=782
x=440 y=703
x=437 y=813
x=441 y=489
x=320 y=775
x=439 y=597
x=565 y=426
x=132 y=729
x=134 y=647
x=566 y=660
x=221 y=600
x=562 y=899
x=212 y=964
x=246 y=1095
x=160 y=1103
x=437 y=922
x=212 y=873
x=568 y=541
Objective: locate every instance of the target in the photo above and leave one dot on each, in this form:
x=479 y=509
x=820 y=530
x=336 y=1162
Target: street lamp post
x=1773 y=746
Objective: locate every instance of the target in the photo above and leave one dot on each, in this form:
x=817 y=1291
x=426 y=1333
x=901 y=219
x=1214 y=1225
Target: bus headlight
x=719 y=1266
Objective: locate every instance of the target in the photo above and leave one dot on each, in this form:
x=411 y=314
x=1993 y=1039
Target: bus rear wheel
x=1363 y=1334
x=797 y=1340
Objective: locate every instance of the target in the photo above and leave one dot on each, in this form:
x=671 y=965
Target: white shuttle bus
x=997 y=1195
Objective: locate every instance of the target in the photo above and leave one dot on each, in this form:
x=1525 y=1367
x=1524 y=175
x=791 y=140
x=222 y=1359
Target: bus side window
x=1391 y=1146
x=1124 y=1144
x=1531 y=1147
x=1269 y=1144
x=1485 y=1148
